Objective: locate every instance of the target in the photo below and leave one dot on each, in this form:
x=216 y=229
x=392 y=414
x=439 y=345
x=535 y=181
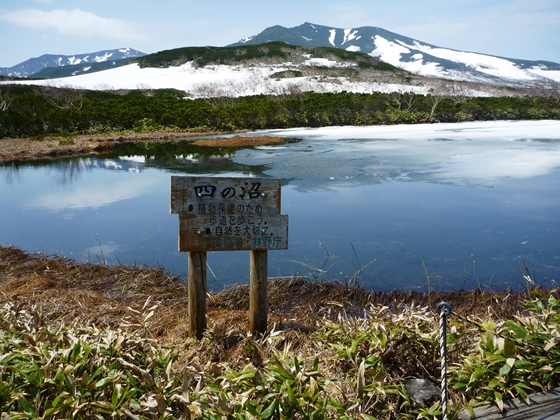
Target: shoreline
x=23 y=149
x=30 y=274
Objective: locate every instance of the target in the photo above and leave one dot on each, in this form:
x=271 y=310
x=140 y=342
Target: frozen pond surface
x=470 y=201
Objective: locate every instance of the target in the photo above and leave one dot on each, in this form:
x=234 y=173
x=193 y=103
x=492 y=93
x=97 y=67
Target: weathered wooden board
x=232 y=232
x=221 y=195
x=544 y=405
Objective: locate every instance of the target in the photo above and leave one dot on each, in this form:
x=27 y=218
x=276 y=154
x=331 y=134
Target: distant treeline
x=28 y=111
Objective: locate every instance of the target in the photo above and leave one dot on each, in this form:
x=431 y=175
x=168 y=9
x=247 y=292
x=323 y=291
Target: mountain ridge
x=36 y=64
x=410 y=54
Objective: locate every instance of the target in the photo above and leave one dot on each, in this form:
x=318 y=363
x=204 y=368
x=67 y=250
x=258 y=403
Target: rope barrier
x=444 y=310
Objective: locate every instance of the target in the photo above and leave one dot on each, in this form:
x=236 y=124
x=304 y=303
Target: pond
x=459 y=205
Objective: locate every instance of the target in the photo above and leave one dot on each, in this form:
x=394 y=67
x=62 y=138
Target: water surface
x=466 y=205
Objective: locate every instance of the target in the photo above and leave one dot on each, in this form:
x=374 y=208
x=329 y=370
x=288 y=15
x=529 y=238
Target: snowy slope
x=220 y=80
x=413 y=55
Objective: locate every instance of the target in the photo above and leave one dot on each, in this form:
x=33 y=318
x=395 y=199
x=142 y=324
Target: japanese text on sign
x=209 y=195
x=217 y=213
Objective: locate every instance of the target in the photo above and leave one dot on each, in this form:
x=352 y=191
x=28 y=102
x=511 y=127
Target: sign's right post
x=258 y=284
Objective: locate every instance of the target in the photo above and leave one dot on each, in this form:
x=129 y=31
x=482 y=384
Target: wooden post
x=258 y=301
x=197 y=294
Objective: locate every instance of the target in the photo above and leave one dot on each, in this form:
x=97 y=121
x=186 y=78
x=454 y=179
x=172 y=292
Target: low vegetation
x=30 y=111
x=91 y=341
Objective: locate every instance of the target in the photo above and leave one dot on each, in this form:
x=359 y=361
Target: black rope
x=444 y=310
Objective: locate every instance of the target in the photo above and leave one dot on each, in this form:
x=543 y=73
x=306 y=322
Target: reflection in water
x=90 y=196
x=410 y=201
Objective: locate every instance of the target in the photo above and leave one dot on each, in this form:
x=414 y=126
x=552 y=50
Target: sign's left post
x=197 y=293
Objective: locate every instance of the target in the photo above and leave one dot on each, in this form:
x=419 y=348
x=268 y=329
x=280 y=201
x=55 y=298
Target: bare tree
x=63 y=97
x=5 y=98
x=146 y=89
x=402 y=99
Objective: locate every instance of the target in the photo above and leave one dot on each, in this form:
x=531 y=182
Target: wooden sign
x=227 y=214
x=233 y=232
x=219 y=195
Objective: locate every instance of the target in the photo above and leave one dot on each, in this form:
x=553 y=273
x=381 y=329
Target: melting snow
x=474 y=152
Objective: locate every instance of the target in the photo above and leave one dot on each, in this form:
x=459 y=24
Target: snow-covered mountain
x=35 y=65
x=412 y=55
x=240 y=69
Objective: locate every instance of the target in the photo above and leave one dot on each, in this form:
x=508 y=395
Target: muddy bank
x=57 y=146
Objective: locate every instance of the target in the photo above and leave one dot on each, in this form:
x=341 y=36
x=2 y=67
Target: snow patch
x=325 y=62
x=103 y=57
x=73 y=60
x=353 y=48
x=331 y=37
x=349 y=35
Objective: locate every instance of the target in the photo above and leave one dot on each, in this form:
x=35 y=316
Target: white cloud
x=74 y=22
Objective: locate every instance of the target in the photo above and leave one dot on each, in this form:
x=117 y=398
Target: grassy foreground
x=91 y=341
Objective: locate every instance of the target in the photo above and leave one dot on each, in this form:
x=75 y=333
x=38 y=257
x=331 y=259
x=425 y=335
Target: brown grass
x=89 y=293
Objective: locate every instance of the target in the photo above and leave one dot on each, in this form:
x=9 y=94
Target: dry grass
x=89 y=293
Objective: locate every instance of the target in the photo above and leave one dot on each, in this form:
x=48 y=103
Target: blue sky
x=509 y=28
